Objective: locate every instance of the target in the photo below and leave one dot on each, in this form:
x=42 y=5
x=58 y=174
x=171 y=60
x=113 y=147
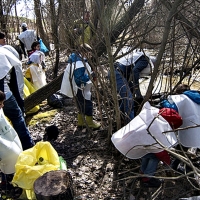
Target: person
x=35 y=47
x=132 y=64
x=150 y=161
x=3 y=43
x=16 y=49
x=36 y=70
x=77 y=82
x=83 y=29
x=12 y=83
x=187 y=103
x=26 y=38
x=122 y=74
x=143 y=138
x=9 y=155
x=135 y=62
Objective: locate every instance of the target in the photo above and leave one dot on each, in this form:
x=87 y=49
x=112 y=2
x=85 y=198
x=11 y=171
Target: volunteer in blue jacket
x=76 y=82
x=187 y=103
x=128 y=70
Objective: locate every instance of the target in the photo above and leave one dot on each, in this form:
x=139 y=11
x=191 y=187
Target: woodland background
x=169 y=29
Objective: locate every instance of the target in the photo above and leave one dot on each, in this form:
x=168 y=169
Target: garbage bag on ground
x=55 y=100
x=33 y=163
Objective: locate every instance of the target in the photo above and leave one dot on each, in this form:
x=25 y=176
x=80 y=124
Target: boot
x=91 y=123
x=81 y=121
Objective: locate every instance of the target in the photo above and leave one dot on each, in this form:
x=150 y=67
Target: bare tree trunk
x=55 y=35
x=42 y=34
x=2 y=18
x=122 y=24
x=41 y=94
x=166 y=32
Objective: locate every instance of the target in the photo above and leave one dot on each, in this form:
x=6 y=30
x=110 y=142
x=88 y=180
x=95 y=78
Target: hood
x=193 y=95
x=74 y=58
x=37 y=57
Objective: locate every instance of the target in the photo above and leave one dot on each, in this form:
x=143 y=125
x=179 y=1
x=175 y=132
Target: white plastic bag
x=10 y=145
x=134 y=141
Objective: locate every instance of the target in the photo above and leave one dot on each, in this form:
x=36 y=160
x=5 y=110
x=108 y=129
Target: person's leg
x=86 y=109
x=140 y=64
x=148 y=167
x=85 y=106
x=145 y=160
x=127 y=105
x=149 y=164
x=14 y=113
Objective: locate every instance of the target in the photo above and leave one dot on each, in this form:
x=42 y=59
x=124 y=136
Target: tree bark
x=41 y=94
x=136 y=6
x=166 y=32
x=54 y=185
x=39 y=18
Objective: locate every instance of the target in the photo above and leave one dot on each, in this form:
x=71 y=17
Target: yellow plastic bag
x=28 y=168
x=29 y=89
x=28 y=195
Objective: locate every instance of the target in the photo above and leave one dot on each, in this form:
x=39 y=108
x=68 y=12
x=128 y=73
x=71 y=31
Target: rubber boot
x=91 y=123
x=81 y=121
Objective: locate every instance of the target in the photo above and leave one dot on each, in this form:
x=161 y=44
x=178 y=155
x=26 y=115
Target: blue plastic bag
x=43 y=48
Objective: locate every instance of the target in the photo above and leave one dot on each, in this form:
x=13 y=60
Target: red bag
x=171 y=116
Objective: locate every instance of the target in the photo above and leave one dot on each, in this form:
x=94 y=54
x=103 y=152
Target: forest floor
x=98 y=170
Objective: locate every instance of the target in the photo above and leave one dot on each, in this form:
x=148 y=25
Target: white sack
x=10 y=146
x=190 y=113
x=134 y=141
x=68 y=88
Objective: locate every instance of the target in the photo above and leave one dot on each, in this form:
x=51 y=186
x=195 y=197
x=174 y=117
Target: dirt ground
x=97 y=169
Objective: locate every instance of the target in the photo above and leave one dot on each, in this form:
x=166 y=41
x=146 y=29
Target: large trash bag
x=134 y=140
x=33 y=163
x=10 y=145
x=29 y=89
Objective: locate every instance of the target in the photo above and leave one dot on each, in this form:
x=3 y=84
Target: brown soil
x=98 y=170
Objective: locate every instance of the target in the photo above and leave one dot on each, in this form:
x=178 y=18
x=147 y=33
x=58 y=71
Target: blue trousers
x=14 y=113
x=149 y=164
x=127 y=103
x=140 y=64
x=85 y=106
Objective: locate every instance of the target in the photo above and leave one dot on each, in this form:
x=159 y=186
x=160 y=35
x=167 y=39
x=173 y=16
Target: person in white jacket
x=138 y=63
x=76 y=82
x=12 y=84
x=36 y=70
x=27 y=37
